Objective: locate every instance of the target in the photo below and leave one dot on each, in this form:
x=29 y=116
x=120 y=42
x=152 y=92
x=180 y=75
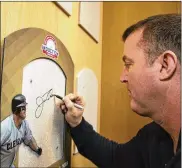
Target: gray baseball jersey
x=11 y=138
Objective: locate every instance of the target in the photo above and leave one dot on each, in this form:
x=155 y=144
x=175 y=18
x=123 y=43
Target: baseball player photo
x=14 y=131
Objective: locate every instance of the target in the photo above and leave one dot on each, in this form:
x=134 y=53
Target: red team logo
x=49 y=47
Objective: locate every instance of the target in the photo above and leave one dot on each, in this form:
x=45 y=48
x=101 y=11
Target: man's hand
x=39 y=151
x=73 y=115
x=34 y=147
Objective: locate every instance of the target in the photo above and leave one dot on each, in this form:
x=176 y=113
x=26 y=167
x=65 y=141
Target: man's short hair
x=160 y=33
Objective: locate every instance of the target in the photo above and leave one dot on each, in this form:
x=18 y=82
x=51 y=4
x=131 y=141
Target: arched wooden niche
x=36 y=63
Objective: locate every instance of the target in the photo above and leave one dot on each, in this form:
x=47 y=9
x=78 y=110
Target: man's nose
x=124 y=76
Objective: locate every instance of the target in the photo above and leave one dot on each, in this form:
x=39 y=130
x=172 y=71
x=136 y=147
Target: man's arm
x=103 y=152
x=30 y=141
x=33 y=145
x=100 y=150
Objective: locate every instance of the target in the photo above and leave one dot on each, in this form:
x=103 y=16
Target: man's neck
x=170 y=120
x=17 y=121
x=172 y=126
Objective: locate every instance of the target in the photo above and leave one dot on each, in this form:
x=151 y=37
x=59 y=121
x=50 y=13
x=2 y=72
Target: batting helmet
x=18 y=100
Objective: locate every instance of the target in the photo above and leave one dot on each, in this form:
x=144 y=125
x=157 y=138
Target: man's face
x=22 y=113
x=139 y=77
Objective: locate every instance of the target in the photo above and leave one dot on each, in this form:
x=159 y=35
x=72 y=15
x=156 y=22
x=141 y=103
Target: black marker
x=76 y=105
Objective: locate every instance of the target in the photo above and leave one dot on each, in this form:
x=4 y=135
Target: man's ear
x=168 y=61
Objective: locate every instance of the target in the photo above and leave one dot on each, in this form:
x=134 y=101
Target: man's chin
x=143 y=114
x=23 y=117
x=138 y=110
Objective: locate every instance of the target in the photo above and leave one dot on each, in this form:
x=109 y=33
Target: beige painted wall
x=117 y=120
x=85 y=52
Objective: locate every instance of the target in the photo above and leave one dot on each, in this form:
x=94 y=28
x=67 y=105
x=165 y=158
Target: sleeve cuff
x=84 y=126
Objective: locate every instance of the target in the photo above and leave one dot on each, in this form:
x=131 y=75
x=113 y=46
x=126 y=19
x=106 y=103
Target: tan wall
x=46 y=15
x=178 y=4
x=117 y=120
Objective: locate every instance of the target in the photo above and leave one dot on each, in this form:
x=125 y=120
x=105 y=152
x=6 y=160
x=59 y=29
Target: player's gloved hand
x=39 y=151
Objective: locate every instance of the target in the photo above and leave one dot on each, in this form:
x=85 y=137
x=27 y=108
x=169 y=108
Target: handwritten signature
x=40 y=100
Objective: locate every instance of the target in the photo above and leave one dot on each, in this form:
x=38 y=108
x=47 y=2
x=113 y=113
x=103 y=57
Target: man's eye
x=127 y=65
x=23 y=108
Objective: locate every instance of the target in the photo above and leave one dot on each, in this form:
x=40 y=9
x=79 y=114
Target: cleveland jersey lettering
x=14 y=143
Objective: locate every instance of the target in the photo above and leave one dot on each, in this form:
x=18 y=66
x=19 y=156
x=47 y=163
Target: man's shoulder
x=6 y=124
x=152 y=129
x=7 y=121
x=151 y=126
x=25 y=124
